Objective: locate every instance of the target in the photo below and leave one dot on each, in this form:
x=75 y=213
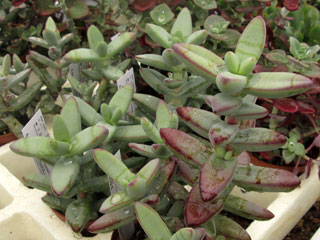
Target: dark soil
x=304 y=229
x=308 y=225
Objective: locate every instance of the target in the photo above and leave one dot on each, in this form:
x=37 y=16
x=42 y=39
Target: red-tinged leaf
x=246 y=209
x=305 y=108
x=222 y=103
x=188 y=173
x=244 y=158
x=260 y=68
x=308 y=167
x=164 y=177
x=113 y=220
x=198 y=120
x=286 y=105
x=144 y=5
x=258 y=140
x=291 y=5
x=16 y=3
x=197 y=211
x=222 y=133
x=215 y=176
x=262 y=179
x=185 y=146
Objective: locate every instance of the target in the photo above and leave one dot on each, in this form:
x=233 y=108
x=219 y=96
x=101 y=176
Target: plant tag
x=75 y=71
x=125 y=232
x=113 y=37
x=37 y=127
x=128 y=79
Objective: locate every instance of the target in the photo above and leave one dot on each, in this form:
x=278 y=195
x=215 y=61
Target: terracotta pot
x=6 y=138
x=261 y=163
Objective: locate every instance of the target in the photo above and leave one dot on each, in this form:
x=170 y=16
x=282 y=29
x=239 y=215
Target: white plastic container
x=23 y=215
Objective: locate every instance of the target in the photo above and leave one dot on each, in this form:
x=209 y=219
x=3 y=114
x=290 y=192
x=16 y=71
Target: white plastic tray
x=23 y=215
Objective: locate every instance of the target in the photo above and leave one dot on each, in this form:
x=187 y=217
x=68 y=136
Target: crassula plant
x=74 y=180
x=17 y=93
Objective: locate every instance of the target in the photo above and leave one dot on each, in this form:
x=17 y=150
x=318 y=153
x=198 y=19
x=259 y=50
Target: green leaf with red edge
x=188 y=173
x=197 y=119
x=198 y=59
x=248 y=111
x=215 y=176
x=111 y=221
x=222 y=103
x=115 y=202
x=260 y=179
x=162 y=180
x=246 y=209
x=189 y=234
x=186 y=147
x=197 y=211
x=258 y=140
x=222 y=133
x=63 y=176
x=78 y=214
x=277 y=84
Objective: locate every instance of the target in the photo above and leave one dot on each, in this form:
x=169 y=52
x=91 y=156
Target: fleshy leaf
x=151 y=222
x=162 y=115
x=198 y=59
x=258 y=140
x=87 y=139
x=198 y=120
x=189 y=234
x=260 y=179
x=215 y=176
x=185 y=146
x=230 y=229
x=41 y=147
x=113 y=220
x=277 y=84
x=71 y=116
x=78 y=214
x=147 y=102
x=222 y=133
x=223 y=103
x=63 y=176
x=248 y=111
x=82 y=55
x=132 y=133
x=197 y=211
x=183 y=24
x=159 y=35
x=244 y=208
x=252 y=40
x=155 y=60
x=121 y=99
x=94 y=37
x=119 y=43
x=115 y=202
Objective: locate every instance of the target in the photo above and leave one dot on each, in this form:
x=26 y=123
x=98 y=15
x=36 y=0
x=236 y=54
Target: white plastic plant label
x=37 y=127
x=126 y=232
x=128 y=78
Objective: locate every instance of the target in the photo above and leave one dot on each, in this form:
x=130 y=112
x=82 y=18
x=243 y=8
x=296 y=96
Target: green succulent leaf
x=87 y=139
x=119 y=43
x=159 y=35
x=63 y=176
x=161 y=14
x=277 y=84
x=113 y=166
x=252 y=40
x=41 y=147
x=151 y=222
x=183 y=24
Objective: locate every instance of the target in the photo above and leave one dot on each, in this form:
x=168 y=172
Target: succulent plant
x=17 y=94
x=234 y=78
x=100 y=55
x=74 y=178
x=50 y=69
x=178 y=87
